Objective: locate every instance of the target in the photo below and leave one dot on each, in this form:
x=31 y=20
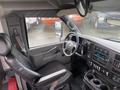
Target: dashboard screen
x=100 y=54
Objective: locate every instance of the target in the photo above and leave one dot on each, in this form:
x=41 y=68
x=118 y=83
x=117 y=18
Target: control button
x=91 y=63
x=100 y=50
x=116 y=79
x=107 y=73
x=102 y=71
x=99 y=68
x=119 y=65
x=94 y=65
x=106 y=59
x=116 y=64
x=88 y=55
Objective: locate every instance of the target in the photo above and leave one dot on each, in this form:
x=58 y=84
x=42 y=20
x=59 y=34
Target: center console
x=93 y=82
x=104 y=73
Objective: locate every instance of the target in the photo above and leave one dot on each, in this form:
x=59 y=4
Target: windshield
x=98 y=24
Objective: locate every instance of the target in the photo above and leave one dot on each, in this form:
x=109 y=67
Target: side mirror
x=82 y=7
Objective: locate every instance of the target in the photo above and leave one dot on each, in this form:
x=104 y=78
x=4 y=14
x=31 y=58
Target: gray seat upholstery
x=53 y=71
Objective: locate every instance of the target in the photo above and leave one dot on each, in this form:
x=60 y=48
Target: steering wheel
x=70 y=45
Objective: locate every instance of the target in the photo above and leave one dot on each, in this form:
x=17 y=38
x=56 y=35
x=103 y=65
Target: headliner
x=98 y=5
x=58 y=4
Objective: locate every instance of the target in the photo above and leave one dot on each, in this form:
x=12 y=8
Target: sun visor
x=67 y=12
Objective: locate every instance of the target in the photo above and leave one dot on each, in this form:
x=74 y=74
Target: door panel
x=43 y=55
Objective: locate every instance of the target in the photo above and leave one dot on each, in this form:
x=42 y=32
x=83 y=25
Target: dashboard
x=103 y=60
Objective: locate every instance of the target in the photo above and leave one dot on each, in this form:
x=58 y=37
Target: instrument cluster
x=84 y=48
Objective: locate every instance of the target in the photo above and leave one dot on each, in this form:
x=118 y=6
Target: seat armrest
x=46 y=80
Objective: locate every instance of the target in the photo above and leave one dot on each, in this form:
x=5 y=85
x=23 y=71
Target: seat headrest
x=5 y=44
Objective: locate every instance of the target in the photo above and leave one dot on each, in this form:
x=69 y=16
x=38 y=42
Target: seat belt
x=19 y=41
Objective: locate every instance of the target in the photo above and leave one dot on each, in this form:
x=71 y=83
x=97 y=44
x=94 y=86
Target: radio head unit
x=101 y=55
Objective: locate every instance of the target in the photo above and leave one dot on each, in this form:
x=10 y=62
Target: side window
x=44 y=30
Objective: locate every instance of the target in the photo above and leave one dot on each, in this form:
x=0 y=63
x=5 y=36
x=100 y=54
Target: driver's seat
x=40 y=79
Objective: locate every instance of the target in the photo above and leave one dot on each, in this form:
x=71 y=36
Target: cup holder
x=104 y=87
x=96 y=82
x=90 y=76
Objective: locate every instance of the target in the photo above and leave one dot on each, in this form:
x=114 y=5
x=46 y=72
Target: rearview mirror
x=82 y=6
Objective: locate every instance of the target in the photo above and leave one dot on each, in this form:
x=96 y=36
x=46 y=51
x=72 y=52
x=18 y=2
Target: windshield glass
x=98 y=24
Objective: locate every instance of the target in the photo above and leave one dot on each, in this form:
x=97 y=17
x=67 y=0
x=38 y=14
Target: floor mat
x=77 y=83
